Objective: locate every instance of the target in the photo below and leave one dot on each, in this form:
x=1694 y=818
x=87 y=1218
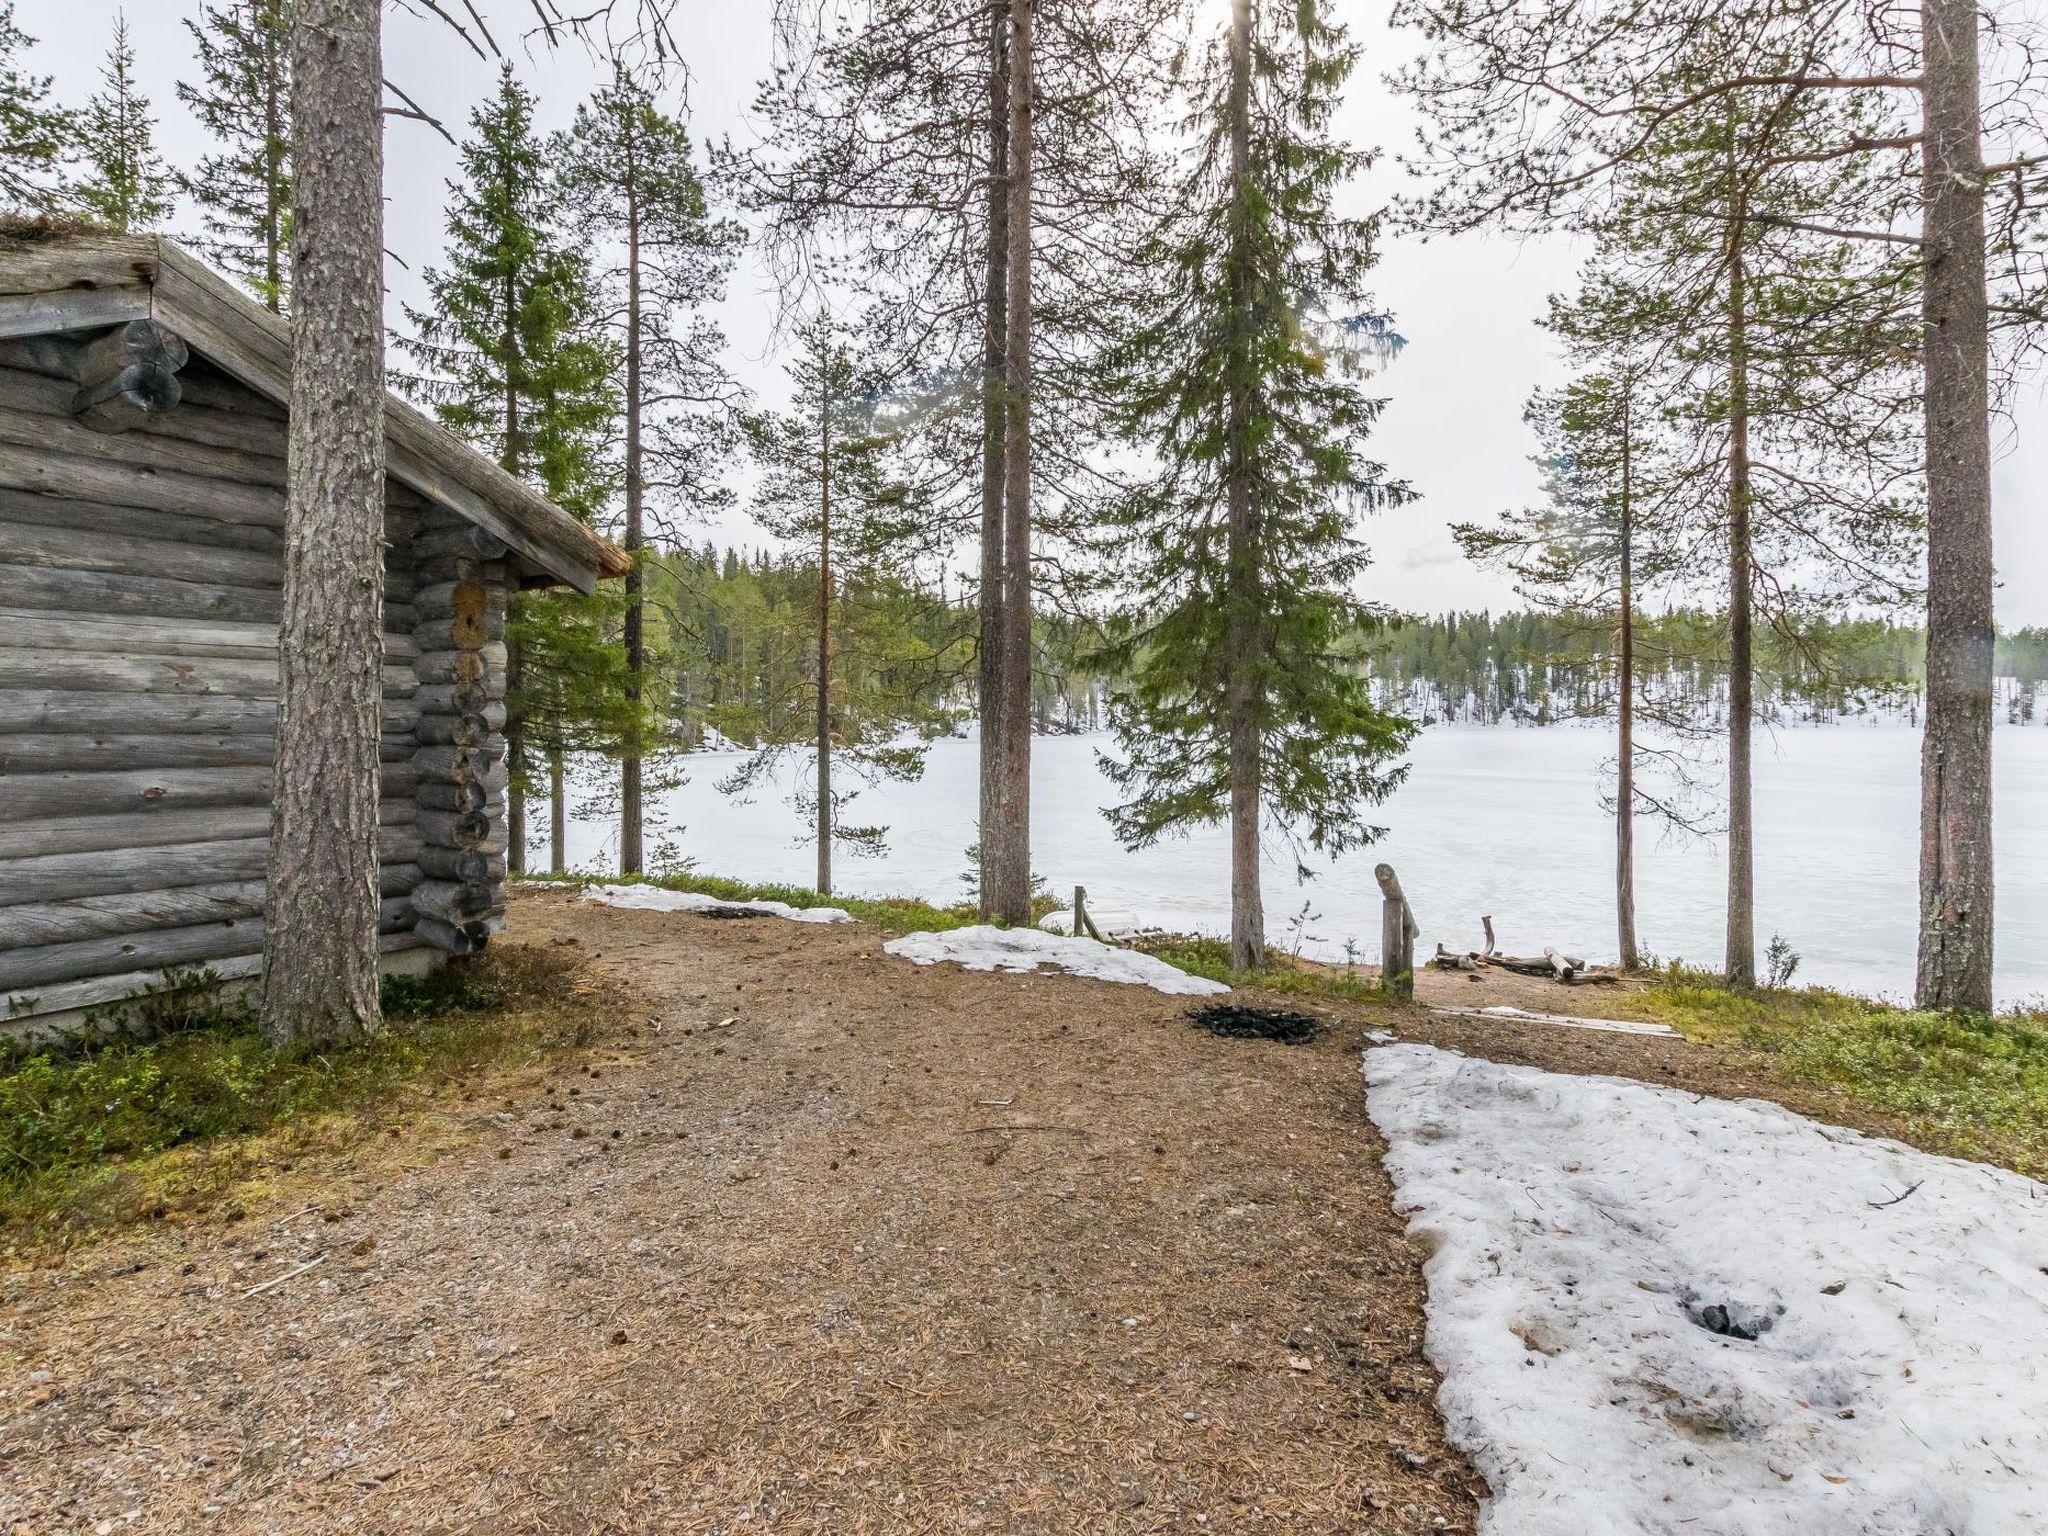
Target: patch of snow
x=1562 y=1020
x=983 y=948
x=1602 y=1252
x=655 y=898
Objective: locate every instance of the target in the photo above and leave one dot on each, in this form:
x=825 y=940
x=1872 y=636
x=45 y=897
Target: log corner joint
x=127 y=375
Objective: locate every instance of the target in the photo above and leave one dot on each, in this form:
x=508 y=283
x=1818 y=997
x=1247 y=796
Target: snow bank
x=983 y=948
x=654 y=898
x=1586 y=1234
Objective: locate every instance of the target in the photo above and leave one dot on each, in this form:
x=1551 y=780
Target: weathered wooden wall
x=140 y=576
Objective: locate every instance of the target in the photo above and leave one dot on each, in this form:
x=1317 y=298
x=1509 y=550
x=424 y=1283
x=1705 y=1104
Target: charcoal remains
x=1234 y=1022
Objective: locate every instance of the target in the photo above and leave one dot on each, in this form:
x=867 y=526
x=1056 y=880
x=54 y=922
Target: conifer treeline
x=1069 y=281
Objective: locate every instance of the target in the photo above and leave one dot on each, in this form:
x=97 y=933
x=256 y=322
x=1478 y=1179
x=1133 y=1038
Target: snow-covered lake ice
x=1587 y=1237
x=1492 y=820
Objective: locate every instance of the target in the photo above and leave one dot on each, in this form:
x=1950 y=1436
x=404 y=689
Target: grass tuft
x=1979 y=1084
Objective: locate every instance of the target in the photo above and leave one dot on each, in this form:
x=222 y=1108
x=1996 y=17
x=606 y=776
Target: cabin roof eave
x=76 y=282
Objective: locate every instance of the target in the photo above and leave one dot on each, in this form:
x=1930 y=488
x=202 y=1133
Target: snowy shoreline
x=1598 y=1250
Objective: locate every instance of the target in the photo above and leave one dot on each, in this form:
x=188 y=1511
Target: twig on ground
x=290 y=1274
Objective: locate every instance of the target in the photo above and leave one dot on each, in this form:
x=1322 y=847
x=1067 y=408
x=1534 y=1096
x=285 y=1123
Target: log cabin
x=143 y=409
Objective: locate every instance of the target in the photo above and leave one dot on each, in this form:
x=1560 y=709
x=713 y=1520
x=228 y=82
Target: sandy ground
x=842 y=1246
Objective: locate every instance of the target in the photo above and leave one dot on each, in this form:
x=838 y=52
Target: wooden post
x=1083 y=923
x=1397 y=937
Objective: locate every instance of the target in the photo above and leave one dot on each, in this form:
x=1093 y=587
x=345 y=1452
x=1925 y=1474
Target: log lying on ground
x=1552 y=965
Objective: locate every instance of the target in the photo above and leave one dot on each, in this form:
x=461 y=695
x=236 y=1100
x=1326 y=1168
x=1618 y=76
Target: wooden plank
x=76 y=309
x=87 y=833
x=84 y=477
x=114 y=871
x=34 y=924
x=186 y=676
x=154 y=949
x=35 y=796
x=102 y=592
x=36 y=265
x=20 y=1012
x=146 y=452
x=76 y=548
x=29 y=508
x=87 y=753
x=120 y=635
x=45 y=712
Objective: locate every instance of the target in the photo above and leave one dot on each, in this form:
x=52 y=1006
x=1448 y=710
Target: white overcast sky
x=1468 y=307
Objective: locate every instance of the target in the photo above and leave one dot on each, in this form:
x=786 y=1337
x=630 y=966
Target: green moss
x=83 y=1120
x=1979 y=1084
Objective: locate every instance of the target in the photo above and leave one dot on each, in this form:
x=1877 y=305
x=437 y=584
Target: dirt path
x=894 y=1250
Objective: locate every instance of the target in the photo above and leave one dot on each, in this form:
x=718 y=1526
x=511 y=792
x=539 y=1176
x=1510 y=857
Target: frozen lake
x=1492 y=820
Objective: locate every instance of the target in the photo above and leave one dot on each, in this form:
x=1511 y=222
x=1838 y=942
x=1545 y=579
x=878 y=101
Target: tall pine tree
x=510 y=357
x=33 y=134
x=872 y=694
x=244 y=101
x=630 y=183
x=1243 y=380
x=126 y=186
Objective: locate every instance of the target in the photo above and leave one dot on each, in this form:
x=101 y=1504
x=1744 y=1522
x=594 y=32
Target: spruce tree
x=874 y=692
x=126 y=186
x=1243 y=380
x=629 y=180
x=511 y=358
x=33 y=134
x=244 y=100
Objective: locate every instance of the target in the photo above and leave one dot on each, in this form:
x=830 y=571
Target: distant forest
x=742 y=628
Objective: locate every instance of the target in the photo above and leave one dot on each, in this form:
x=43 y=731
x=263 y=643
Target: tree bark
x=825 y=639
x=265 y=22
x=511 y=458
x=558 y=814
x=1625 y=786
x=1740 y=965
x=320 y=910
x=995 y=328
x=1247 y=901
x=631 y=855
x=1012 y=895
x=1955 y=948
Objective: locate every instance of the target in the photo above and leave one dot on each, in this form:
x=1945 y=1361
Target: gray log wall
x=140 y=577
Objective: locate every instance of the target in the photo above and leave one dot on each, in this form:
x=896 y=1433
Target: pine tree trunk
x=1955 y=949
x=512 y=459
x=824 y=644
x=1247 y=901
x=1625 y=683
x=265 y=22
x=631 y=855
x=558 y=813
x=320 y=902
x=1740 y=966
x=1012 y=903
x=995 y=325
